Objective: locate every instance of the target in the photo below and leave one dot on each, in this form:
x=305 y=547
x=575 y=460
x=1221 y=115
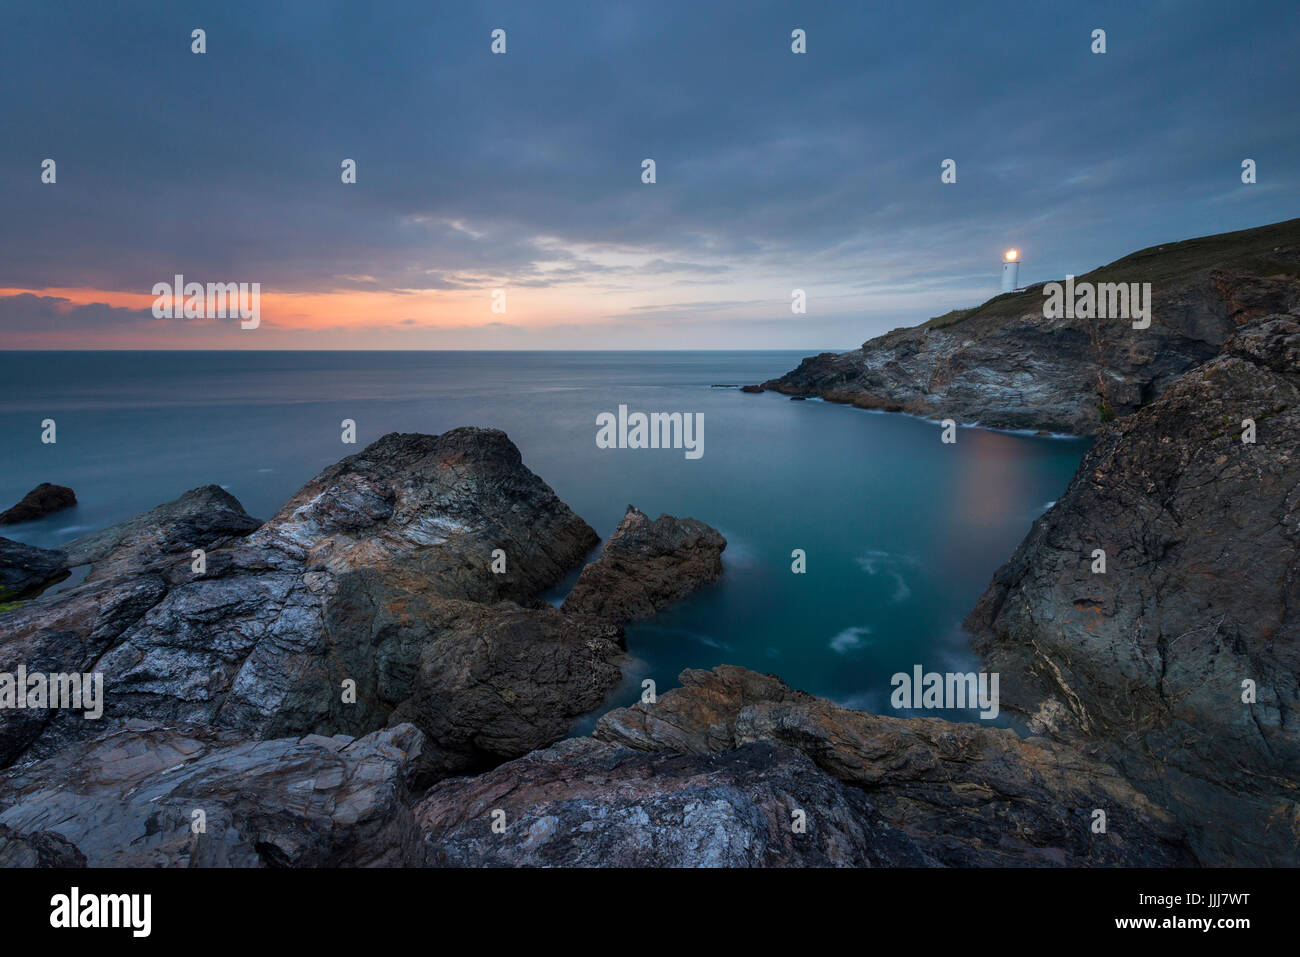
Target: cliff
x=1004 y=365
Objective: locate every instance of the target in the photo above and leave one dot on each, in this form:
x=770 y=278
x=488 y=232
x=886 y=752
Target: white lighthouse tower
x=1010 y=270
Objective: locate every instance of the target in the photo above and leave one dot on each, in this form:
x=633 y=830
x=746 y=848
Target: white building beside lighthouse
x=1010 y=270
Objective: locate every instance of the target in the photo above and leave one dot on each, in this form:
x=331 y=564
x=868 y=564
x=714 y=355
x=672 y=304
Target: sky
x=522 y=172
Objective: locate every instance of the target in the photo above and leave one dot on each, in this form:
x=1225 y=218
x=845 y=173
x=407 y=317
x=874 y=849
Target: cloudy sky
x=522 y=171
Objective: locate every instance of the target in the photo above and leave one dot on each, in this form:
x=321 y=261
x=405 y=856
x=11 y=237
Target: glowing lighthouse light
x=1010 y=270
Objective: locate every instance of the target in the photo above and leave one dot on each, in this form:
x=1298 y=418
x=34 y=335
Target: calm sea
x=901 y=532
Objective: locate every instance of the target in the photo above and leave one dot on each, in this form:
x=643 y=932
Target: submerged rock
x=39 y=502
x=1181 y=662
x=645 y=566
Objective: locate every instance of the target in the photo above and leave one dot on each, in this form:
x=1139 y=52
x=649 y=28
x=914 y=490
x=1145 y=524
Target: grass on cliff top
x=1250 y=250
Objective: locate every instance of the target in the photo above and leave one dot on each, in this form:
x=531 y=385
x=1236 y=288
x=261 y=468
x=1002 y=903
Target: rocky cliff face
x=1004 y=365
x=1150 y=664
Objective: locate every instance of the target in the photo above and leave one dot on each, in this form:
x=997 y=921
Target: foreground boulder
x=585 y=803
x=26 y=570
x=1181 y=663
x=645 y=566
x=1004 y=365
x=717 y=772
x=132 y=799
x=39 y=502
x=966 y=794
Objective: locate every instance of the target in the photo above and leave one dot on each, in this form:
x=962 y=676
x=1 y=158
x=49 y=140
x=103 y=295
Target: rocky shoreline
x=1004 y=365
x=370 y=677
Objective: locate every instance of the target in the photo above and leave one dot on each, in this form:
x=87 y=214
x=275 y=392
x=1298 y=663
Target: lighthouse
x=1010 y=270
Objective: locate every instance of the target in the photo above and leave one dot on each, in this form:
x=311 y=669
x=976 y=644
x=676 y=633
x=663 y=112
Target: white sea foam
x=850 y=639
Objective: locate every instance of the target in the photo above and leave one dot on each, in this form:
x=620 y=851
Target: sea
x=898 y=532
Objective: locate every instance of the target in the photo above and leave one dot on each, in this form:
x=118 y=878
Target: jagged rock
x=128 y=800
x=378 y=572
x=135 y=564
x=1004 y=365
x=645 y=566
x=26 y=570
x=38 y=503
x=585 y=803
x=1145 y=663
x=966 y=794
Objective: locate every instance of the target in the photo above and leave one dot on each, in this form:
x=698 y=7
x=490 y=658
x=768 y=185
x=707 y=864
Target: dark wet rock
x=645 y=566
x=26 y=570
x=751 y=389
x=491 y=682
x=1004 y=365
x=129 y=800
x=1144 y=665
x=39 y=502
x=967 y=795
x=586 y=803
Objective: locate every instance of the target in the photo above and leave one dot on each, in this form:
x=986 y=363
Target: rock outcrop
x=378 y=573
x=399 y=585
x=967 y=795
x=1181 y=662
x=26 y=570
x=134 y=798
x=298 y=680
x=39 y=502
x=715 y=774
x=585 y=803
x=1004 y=365
x=201 y=518
x=645 y=566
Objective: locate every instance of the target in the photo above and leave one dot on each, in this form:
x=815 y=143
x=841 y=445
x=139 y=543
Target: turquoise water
x=901 y=532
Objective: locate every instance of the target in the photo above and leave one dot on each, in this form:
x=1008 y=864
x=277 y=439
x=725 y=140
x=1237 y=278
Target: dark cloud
x=26 y=312
x=476 y=170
